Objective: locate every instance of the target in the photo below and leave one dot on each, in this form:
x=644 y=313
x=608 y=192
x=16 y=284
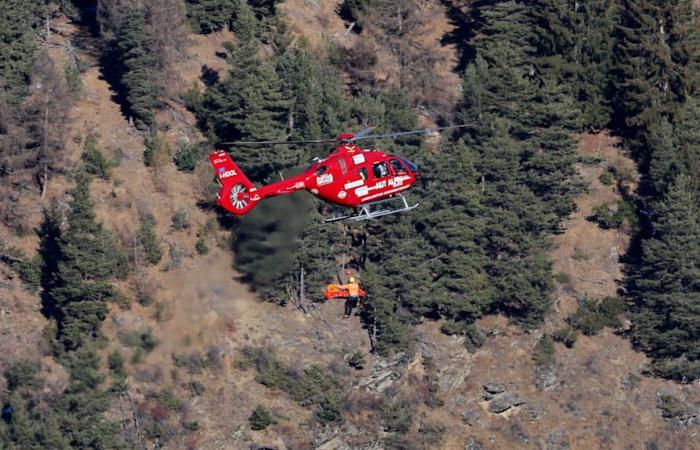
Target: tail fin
x=237 y=194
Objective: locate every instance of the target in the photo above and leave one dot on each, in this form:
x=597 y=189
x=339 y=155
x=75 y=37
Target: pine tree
x=666 y=287
x=208 y=16
x=385 y=317
x=136 y=67
x=656 y=60
x=575 y=47
x=249 y=105
x=18 y=22
x=78 y=263
x=453 y=226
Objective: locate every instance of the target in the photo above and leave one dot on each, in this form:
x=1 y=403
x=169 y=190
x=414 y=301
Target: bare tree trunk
x=44 y=151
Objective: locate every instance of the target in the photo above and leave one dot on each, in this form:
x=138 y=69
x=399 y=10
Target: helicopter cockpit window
x=321 y=170
x=363 y=173
x=343 y=166
x=380 y=170
x=397 y=166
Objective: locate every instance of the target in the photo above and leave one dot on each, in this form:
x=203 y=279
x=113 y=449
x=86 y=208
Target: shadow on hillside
x=460 y=35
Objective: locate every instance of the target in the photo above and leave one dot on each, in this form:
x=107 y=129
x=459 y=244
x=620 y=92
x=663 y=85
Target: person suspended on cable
x=353 y=299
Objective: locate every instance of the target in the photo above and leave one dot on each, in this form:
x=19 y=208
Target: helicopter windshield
x=412 y=167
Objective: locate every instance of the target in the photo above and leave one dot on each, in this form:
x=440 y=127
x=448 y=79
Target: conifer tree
x=453 y=224
x=249 y=104
x=208 y=16
x=78 y=263
x=575 y=47
x=385 y=317
x=136 y=67
x=18 y=22
x=666 y=287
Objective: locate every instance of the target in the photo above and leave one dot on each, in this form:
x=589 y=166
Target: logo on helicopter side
x=342 y=194
x=223 y=173
x=324 y=179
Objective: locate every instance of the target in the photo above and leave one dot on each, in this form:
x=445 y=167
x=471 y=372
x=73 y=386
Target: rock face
x=494 y=388
x=504 y=402
x=471 y=417
x=473 y=444
x=385 y=373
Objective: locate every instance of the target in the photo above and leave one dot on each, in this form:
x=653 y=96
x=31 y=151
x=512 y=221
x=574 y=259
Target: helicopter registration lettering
x=398 y=181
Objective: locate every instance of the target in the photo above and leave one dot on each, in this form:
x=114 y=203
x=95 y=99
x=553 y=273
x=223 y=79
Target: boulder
x=494 y=388
x=471 y=417
x=504 y=402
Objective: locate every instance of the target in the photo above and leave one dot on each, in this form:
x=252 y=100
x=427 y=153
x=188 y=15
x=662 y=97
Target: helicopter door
x=380 y=170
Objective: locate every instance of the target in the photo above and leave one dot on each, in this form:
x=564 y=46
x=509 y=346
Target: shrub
x=579 y=255
x=357 y=360
x=611 y=308
x=21 y=373
x=94 y=161
x=396 y=417
x=590 y=317
x=563 y=278
x=679 y=369
x=473 y=339
x=149 y=242
x=328 y=411
x=142 y=340
x=587 y=319
x=196 y=362
x=115 y=362
x=260 y=418
x=565 y=335
x=169 y=400
x=28 y=270
x=156 y=152
x=201 y=245
x=670 y=406
x=608 y=177
x=314 y=386
x=180 y=220
x=544 y=354
x=609 y=215
x=186 y=156
x=196 y=388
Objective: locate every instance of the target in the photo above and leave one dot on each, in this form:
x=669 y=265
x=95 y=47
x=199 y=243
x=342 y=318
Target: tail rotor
x=237 y=194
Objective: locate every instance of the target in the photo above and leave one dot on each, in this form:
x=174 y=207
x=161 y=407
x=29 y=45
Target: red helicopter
x=366 y=180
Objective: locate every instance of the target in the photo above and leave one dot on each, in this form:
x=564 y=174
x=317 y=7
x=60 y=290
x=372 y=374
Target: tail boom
x=238 y=195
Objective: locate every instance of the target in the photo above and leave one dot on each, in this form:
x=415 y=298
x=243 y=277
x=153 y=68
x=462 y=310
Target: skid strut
x=366 y=212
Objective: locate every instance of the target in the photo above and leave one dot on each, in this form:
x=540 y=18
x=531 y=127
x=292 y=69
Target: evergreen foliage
x=249 y=105
x=575 y=47
x=149 y=242
x=136 y=66
x=187 y=155
x=260 y=418
x=666 y=284
x=78 y=262
x=18 y=27
x=208 y=16
x=94 y=161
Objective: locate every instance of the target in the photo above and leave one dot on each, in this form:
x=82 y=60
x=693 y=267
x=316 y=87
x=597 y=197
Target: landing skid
x=365 y=212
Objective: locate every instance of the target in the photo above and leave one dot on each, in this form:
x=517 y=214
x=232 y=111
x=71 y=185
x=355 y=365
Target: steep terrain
x=595 y=396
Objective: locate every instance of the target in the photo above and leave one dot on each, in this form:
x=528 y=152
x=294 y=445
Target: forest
x=493 y=195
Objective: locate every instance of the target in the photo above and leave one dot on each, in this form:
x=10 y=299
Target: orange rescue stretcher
x=335 y=291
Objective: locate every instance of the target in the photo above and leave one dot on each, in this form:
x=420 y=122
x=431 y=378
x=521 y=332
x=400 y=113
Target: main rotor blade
x=363 y=133
x=311 y=141
x=424 y=131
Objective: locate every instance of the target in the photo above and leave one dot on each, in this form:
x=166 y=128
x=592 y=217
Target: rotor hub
x=240 y=197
